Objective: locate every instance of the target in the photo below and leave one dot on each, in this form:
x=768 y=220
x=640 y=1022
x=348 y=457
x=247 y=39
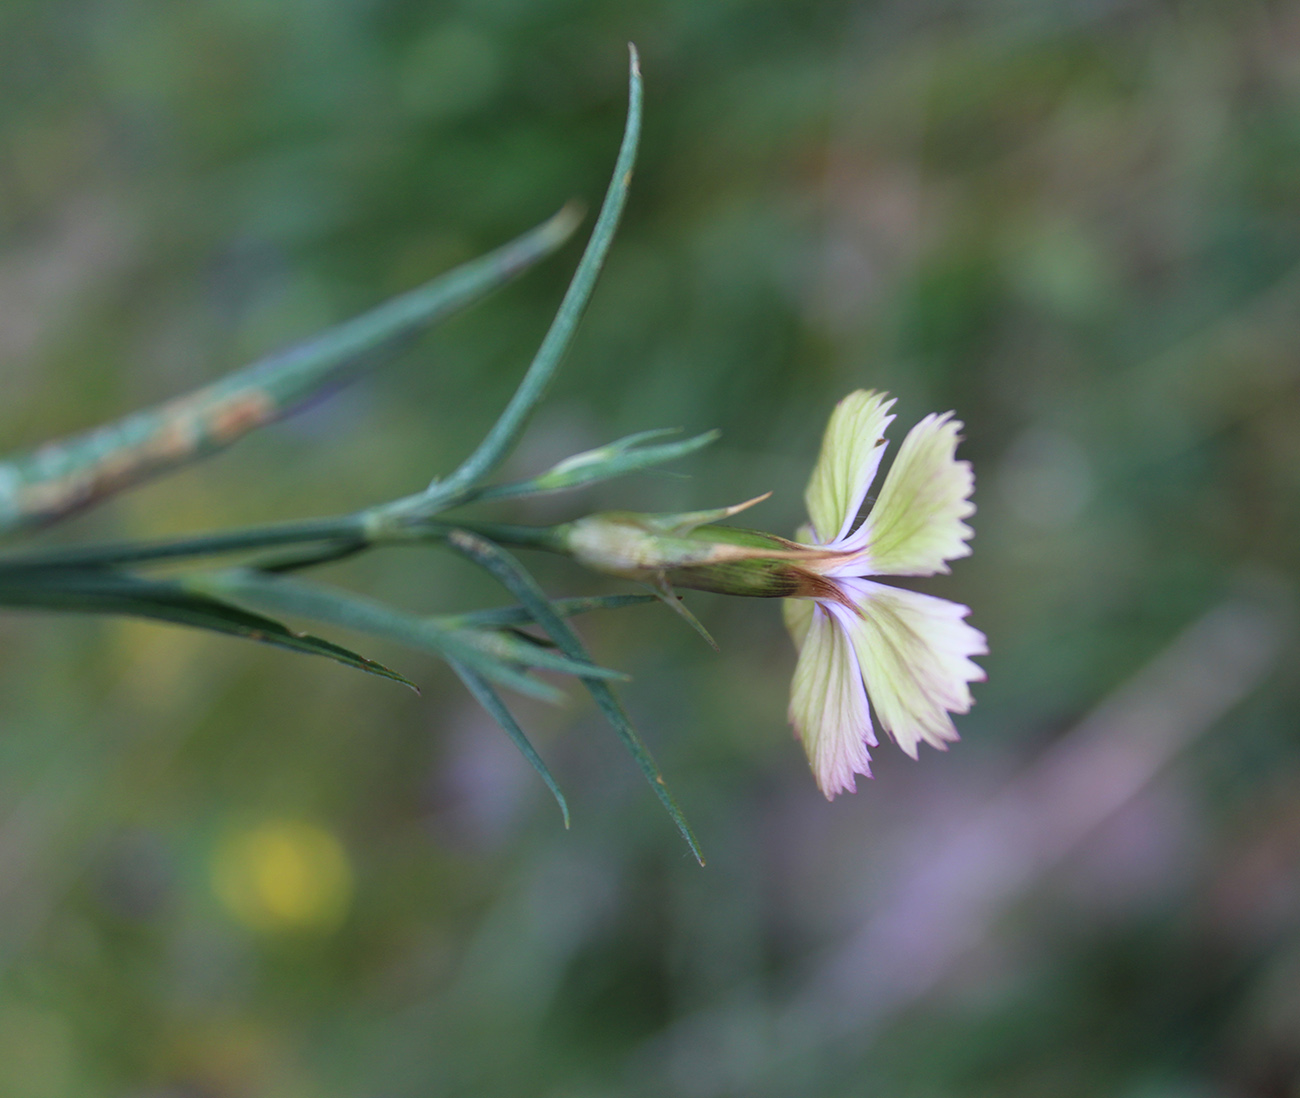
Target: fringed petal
x=914 y=651
x=916 y=524
x=851 y=451
x=828 y=704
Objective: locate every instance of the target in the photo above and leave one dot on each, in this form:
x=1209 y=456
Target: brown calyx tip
x=736 y=508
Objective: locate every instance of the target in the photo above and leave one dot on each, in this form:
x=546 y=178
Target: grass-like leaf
x=499 y=656
x=520 y=615
x=59 y=478
x=616 y=459
x=96 y=591
x=498 y=442
x=513 y=576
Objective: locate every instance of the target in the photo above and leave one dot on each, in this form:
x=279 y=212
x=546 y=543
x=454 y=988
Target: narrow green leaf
x=59 y=478
x=488 y=699
x=108 y=592
x=671 y=599
x=495 y=654
x=514 y=648
x=519 y=615
x=512 y=575
x=505 y=432
x=614 y=460
x=519 y=681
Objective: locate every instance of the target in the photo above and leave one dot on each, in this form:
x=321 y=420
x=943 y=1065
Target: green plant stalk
x=340 y=534
x=341 y=528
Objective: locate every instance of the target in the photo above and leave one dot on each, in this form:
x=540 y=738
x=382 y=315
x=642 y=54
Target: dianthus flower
x=906 y=652
x=862 y=644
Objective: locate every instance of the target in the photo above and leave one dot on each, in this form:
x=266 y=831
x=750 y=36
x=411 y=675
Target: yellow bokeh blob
x=283 y=875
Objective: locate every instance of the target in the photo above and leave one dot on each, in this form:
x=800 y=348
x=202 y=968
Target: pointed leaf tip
x=516 y=579
x=501 y=438
x=488 y=698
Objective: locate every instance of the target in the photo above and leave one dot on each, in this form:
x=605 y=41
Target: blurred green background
x=229 y=871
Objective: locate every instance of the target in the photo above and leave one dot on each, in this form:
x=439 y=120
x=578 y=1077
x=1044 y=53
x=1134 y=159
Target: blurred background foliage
x=228 y=871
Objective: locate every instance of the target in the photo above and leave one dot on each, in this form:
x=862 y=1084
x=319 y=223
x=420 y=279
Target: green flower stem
x=345 y=528
x=333 y=537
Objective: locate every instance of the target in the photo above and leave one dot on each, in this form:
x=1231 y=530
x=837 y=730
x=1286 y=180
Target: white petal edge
x=850 y=456
x=914 y=651
x=916 y=524
x=828 y=705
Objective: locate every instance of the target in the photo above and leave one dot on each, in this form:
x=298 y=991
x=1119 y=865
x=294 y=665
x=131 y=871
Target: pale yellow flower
x=906 y=653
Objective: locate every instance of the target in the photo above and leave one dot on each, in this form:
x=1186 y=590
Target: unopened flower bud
x=692 y=550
